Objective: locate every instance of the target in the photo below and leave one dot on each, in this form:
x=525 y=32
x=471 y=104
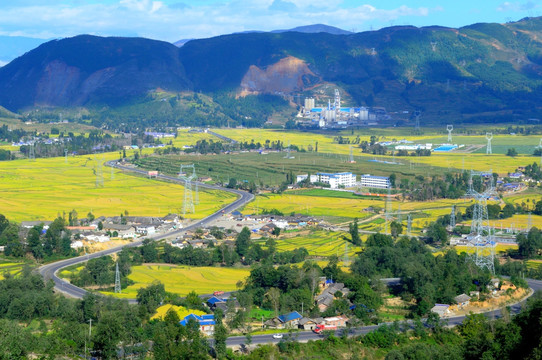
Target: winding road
x=49 y=271
x=235 y=341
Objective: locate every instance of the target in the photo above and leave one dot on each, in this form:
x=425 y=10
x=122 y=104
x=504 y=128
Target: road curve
x=49 y=271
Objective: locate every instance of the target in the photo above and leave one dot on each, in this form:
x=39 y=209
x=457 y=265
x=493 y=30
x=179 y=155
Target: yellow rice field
x=183 y=279
x=45 y=188
x=181 y=311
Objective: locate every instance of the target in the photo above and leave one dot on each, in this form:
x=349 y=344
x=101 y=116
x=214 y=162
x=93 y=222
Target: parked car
x=277 y=336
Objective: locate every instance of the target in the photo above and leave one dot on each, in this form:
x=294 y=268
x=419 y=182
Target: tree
x=528 y=245
x=232 y=184
x=149 y=251
x=151 y=296
x=3 y=223
x=437 y=233
x=512 y=152
x=396 y=228
x=73 y=220
x=354 y=232
x=220 y=334
x=273 y=295
x=107 y=335
x=90 y=216
x=242 y=242
x=393 y=179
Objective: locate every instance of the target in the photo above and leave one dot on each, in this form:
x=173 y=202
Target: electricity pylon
x=188 y=203
x=481 y=244
x=117 y=280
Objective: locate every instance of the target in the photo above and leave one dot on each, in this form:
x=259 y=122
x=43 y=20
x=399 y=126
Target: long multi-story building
x=335 y=180
x=371 y=181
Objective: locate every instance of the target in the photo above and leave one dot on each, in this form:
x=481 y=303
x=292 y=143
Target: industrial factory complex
x=333 y=116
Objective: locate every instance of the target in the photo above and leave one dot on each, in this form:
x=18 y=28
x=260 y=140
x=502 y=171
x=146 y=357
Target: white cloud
x=155 y=19
x=517 y=6
x=2 y=63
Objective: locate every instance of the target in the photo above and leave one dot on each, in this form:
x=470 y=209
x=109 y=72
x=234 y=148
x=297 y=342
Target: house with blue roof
x=206 y=322
x=290 y=320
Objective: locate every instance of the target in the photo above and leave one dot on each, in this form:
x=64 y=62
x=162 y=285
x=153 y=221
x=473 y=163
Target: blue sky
x=171 y=20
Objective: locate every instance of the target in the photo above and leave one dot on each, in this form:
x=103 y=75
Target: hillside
x=481 y=72
x=87 y=69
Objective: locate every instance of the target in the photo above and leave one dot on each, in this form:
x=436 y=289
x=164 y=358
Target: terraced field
x=318 y=243
x=350 y=208
x=183 y=279
x=42 y=189
x=12 y=268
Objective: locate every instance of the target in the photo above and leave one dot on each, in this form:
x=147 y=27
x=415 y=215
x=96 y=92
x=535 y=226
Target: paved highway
x=536 y=285
x=49 y=271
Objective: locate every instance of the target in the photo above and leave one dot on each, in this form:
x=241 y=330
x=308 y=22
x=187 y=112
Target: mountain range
x=482 y=71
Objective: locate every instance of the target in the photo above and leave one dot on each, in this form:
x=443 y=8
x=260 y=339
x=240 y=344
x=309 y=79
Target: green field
x=45 y=188
x=498 y=162
x=272 y=168
x=183 y=279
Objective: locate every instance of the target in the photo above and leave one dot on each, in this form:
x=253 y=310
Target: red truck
x=321 y=327
x=218 y=293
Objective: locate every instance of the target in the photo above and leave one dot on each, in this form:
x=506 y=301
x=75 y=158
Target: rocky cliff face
x=287 y=75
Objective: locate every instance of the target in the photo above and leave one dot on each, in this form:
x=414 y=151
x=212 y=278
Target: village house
x=206 y=323
x=310 y=324
x=441 y=309
x=330 y=292
x=124 y=231
x=286 y=321
x=462 y=300
x=338 y=321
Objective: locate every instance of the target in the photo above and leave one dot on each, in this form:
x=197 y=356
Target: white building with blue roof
x=206 y=322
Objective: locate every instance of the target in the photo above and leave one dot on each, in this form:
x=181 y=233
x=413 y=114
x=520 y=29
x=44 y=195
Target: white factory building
x=371 y=181
x=335 y=180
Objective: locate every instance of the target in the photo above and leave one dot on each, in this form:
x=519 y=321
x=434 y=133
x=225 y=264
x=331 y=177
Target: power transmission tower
x=117 y=279
x=417 y=115
x=409 y=225
x=399 y=216
x=352 y=161
x=530 y=221
x=388 y=212
x=32 y=152
x=481 y=245
x=540 y=149
x=66 y=156
x=188 y=203
x=98 y=170
x=452 y=218
x=288 y=152
x=450 y=128
x=489 y=137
